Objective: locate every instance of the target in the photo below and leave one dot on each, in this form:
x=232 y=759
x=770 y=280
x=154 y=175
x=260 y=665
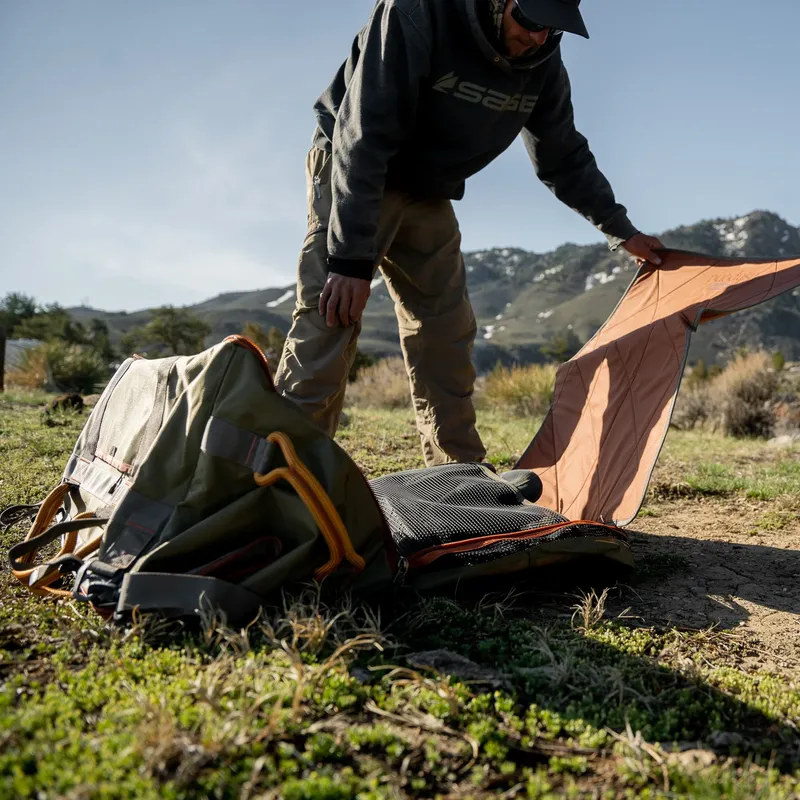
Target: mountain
x=523 y=299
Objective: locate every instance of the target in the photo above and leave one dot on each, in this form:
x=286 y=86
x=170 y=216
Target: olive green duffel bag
x=194 y=485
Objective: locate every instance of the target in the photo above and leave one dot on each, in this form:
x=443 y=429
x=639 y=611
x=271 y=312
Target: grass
x=536 y=693
x=704 y=464
x=523 y=391
x=383 y=441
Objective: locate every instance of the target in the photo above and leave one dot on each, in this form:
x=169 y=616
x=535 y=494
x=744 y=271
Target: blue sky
x=153 y=152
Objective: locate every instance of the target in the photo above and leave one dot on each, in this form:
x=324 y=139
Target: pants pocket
x=318 y=184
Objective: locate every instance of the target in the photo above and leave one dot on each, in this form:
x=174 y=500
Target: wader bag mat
x=613 y=401
x=195 y=486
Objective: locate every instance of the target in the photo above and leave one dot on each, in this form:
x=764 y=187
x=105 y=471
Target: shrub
x=744 y=393
x=739 y=401
x=521 y=390
x=382 y=385
x=692 y=408
x=177 y=331
x=32 y=371
x=56 y=364
x=778 y=361
x=360 y=362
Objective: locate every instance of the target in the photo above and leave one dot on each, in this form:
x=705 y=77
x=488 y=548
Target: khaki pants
x=419 y=254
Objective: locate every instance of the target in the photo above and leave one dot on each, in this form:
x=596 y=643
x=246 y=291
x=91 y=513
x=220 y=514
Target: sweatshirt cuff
x=618 y=230
x=351 y=267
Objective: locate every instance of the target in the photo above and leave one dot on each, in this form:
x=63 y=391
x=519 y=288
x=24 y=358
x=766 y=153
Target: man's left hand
x=641 y=247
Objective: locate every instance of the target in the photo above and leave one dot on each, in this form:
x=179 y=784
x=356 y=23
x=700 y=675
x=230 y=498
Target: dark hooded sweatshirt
x=426 y=100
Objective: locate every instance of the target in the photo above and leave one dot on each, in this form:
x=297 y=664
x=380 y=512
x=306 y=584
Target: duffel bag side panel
x=338 y=475
x=165 y=463
x=220 y=507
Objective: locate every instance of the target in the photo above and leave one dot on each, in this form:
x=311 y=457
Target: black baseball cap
x=560 y=15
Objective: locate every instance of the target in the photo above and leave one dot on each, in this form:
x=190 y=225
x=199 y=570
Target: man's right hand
x=344 y=298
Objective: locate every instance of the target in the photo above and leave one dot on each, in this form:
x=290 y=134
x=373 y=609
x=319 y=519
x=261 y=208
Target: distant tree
x=778 y=361
x=14 y=309
x=361 y=361
x=52 y=323
x=100 y=340
x=130 y=341
x=562 y=347
x=173 y=330
x=271 y=342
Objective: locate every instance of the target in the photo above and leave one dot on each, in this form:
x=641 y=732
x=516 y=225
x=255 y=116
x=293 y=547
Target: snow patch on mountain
x=733 y=235
x=599 y=278
x=489 y=331
x=513 y=262
x=282 y=299
x=548 y=272
x=545 y=314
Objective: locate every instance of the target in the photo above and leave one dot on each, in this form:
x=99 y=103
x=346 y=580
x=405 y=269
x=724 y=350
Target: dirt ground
x=733 y=564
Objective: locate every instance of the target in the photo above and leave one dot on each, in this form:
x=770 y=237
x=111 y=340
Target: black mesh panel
x=453 y=502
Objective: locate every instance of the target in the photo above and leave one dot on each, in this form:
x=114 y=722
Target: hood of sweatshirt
x=477 y=16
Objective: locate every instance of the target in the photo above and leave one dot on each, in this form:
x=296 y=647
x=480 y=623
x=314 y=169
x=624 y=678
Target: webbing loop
x=316 y=499
x=39 y=578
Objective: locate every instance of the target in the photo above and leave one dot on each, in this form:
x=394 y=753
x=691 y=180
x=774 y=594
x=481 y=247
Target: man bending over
x=432 y=92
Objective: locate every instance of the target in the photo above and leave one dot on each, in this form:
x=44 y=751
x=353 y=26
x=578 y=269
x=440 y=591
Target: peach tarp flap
x=613 y=401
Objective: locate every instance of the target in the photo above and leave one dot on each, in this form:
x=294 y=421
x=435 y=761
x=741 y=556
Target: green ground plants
x=538 y=691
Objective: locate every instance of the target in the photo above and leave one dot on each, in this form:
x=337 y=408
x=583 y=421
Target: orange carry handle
x=318 y=503
x=45 y=516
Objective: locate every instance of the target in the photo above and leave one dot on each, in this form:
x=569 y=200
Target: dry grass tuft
x=382 y=385
x=589 y=611
x=740 y=401
x=32 y=372
x=693 y=408
x=522 y=390
x=745 y=391
x=57 y=364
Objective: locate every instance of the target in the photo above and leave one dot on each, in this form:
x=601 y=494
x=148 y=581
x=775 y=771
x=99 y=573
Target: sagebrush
x=740 y=401
x=521 y=390
x=59 y=365
x=381 y=385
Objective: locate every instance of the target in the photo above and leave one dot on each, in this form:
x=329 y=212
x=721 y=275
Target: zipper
x=423 y=558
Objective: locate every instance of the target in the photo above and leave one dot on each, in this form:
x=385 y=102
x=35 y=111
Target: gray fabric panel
x=96 y=419
x=156 y=420
x=144 y=512
x=72 y=469
x=186 y=595
x=140 y=520
x=263 y=456
x=102 y=481
x=224 y=440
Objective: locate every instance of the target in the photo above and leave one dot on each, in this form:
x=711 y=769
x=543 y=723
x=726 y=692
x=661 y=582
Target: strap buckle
x=97 y=591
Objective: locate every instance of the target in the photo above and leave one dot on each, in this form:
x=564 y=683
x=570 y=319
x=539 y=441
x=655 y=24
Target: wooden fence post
x=2 y=359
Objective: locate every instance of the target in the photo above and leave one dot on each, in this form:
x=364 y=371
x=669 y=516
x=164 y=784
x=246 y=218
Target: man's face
x=517 y=40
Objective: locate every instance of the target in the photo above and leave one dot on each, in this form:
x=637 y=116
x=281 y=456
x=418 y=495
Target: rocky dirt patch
x=733 y=564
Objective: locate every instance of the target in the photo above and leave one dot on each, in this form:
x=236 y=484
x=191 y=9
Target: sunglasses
x=529 y=24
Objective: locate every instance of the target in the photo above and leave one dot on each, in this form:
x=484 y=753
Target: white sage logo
x=490 y=98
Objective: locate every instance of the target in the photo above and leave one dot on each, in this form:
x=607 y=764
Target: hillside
x=523 y=299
